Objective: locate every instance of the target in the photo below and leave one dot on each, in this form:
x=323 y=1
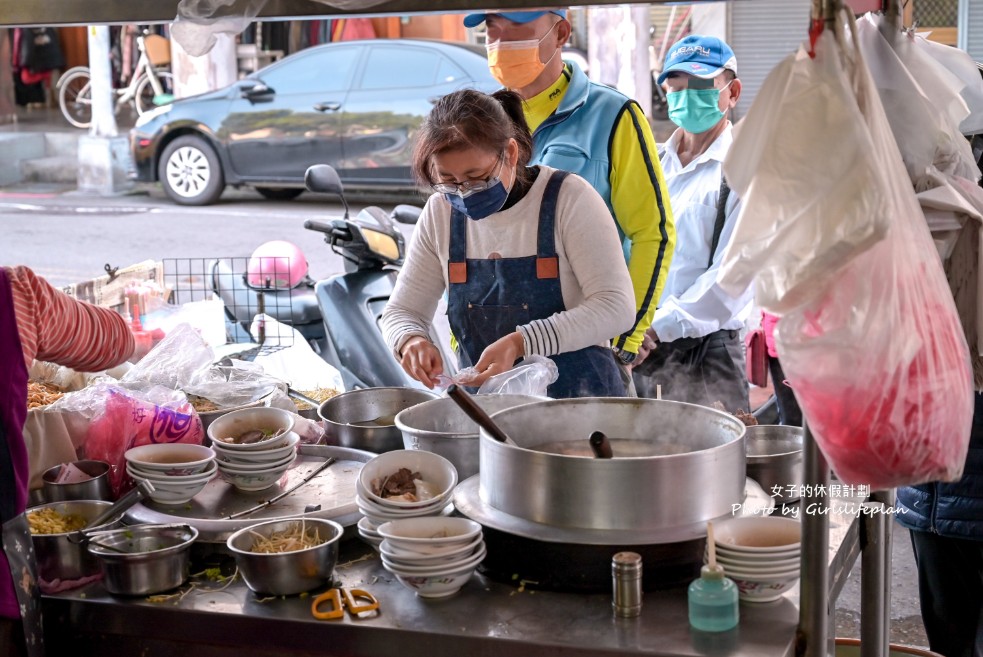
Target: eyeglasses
x=470 y=186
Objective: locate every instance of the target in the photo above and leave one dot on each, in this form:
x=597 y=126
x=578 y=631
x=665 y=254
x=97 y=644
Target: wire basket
x=199 y=279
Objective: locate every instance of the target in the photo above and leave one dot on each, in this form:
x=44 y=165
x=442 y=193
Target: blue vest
x=952 y=509
x=577 y=137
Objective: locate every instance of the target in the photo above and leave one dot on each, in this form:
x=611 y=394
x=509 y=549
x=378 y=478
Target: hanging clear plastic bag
x=173 y=363
x=878 y=361
x=810 y=185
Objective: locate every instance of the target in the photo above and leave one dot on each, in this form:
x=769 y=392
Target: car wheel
x=280 y=193
x=190 y=171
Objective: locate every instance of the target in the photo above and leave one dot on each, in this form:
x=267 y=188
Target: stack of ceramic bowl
x=177 y=471
x=431 y=495
x=254 y=466
x=761 y=555
x=434 y=557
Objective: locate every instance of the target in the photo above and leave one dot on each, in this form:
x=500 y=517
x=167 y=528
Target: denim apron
x=488 y=299
x=17 y=564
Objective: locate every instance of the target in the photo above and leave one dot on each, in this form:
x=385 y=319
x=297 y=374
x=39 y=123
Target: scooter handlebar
x=336 y=228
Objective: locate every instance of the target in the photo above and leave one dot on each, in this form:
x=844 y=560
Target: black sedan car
x=355 y=105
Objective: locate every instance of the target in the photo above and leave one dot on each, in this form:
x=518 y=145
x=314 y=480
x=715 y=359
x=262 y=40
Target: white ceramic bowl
x=368 y=526
x=246 y=468
x=264 y=418
x=253 y=481
x=419 y=509
x=370 y=508
x=257 y=456
x=409 y=558
x=763 y=590
x=778 y=564
x=205 y=475
x=170 y=458
x=430 y=534
x=470 y=561
x=170 y=491
x=436 y=586
x=434 y=469
x=758 y=534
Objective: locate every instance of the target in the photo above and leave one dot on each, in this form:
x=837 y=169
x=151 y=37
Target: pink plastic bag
x=878 y=361
x=127 y=421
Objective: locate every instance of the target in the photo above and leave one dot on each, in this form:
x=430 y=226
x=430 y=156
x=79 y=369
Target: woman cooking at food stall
x=37 y=321
x=528 y=256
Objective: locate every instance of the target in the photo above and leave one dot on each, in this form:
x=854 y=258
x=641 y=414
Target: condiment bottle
x=713 y=605
x=626 y=576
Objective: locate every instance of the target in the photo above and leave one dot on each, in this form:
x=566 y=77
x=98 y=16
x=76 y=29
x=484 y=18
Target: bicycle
x=148 y=87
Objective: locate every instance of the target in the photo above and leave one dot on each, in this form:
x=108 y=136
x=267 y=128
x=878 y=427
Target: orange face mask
x=515 y=64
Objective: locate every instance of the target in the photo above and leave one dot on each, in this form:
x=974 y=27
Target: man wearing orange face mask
x=598 y=133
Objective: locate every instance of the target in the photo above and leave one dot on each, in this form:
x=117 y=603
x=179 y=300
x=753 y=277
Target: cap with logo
x=702 y=56
x=473 y=20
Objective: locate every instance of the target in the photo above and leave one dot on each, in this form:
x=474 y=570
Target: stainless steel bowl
x=96 y=488
x=675 y=465
x=286 y=573
x=60 y=558
x=774 y=460
x=441 y=427
x=144 y=559
x=365 y=418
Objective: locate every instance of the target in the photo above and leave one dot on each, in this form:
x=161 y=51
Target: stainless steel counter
x=485 y=618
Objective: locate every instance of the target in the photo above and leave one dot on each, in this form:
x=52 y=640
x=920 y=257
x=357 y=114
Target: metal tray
x=468 y=501
x=332 y=491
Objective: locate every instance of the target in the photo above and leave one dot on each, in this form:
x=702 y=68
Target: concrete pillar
x=618 y=50
x=215 y=69
x=103 y=155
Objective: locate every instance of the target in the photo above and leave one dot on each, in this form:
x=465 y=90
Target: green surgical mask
x=695 y=110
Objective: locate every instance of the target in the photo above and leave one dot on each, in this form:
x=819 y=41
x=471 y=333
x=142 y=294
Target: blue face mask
x=478 y=205
x=695 y=110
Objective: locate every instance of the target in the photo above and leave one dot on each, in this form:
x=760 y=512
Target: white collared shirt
x=692 y=304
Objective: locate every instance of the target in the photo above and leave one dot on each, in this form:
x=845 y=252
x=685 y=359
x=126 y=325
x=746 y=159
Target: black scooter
x=338 y=316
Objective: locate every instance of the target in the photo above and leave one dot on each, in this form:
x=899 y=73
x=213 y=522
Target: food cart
x=487 y=617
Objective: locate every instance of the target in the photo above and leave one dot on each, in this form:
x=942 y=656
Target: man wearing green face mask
x=696 y=351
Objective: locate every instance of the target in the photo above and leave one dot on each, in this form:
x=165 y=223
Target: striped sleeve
x=540 y=338
x=640 y=201
x=56 y=328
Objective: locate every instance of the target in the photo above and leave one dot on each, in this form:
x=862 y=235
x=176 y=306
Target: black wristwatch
x=626 y=357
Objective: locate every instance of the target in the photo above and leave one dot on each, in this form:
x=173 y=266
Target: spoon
x=476 y=413
x=600 y=446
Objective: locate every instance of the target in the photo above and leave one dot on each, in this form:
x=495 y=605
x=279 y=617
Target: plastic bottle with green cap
x=713 y=605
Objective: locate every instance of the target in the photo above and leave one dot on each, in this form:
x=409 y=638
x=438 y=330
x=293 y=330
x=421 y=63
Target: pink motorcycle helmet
x=276 y=265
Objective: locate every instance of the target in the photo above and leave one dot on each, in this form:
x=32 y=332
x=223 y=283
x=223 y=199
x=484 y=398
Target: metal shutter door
x=971 y=28
x=762 y=33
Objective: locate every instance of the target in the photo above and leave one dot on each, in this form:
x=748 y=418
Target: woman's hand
x=420 y=359
x=498 y=357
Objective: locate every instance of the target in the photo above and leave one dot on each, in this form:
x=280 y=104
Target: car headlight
x=147 y=117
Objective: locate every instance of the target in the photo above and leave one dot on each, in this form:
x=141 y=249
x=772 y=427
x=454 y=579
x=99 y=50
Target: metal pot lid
x=468 y=501
x=333 y=490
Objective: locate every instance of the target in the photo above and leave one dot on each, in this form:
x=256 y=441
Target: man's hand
x=420 y=359
x=498 y=357
x=649 y=344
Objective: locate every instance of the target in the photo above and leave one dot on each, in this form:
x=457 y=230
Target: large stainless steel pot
x=365 y=418
x=685 y=465
x=440 y=426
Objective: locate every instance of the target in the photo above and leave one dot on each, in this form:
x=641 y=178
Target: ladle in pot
x=476 y=413
x=143 y=489
x=600 y=445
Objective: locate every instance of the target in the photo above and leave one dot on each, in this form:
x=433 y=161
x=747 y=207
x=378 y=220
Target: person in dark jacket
x=946 y=523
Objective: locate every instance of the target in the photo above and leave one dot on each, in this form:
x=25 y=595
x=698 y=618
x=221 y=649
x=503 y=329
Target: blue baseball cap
x=702 y=56
x=473 y=20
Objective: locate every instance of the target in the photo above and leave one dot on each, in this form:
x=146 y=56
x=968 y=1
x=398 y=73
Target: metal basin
x=145 y=559
x=675 y=465
x=58 y=557
x=441 y=427
x=365 y=418
x=774 y=459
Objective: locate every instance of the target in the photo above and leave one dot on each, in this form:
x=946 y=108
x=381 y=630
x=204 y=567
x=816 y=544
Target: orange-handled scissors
x=341 y=599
